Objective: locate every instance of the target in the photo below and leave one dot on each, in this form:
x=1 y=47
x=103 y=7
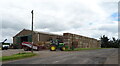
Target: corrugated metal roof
x=43 y=32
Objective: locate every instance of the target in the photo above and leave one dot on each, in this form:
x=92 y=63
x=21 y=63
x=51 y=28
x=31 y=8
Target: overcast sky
x=92 y=18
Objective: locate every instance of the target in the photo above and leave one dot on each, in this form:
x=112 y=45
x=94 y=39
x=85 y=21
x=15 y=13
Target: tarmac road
x=99 y=56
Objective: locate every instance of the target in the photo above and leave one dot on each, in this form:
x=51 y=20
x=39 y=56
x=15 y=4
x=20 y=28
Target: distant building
x=68 y=38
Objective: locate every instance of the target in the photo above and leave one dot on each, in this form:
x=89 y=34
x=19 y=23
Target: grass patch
x=17 y=56
x=78 y=49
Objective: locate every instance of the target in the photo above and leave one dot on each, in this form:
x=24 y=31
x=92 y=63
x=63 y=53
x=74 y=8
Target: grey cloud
x=54 y=15
x=57 y=24
x=113 y=29
x=52 y=26
x=13 y=23
x=8 y=34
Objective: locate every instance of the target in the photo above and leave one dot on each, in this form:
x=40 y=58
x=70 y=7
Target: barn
x=69 y=39
x=25 y=36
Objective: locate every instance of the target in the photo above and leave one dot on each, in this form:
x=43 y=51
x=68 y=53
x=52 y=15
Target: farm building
x=68 y=38
x=25 y=36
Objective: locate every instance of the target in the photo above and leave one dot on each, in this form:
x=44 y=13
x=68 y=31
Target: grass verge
x=78 y=49
x=17 y=56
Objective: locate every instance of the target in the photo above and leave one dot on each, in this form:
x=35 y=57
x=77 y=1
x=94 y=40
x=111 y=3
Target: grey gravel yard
x=98 y=56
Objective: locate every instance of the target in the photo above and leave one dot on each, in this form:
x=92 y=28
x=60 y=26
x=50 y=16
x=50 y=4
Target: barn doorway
x=24 y=39
x=21 y=39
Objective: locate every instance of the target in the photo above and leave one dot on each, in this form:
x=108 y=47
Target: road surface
x=99 y=56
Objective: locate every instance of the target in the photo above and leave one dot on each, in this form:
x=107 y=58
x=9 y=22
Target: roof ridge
x=42 y=32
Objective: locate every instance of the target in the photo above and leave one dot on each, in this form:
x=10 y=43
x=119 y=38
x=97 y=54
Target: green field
x=16 y=56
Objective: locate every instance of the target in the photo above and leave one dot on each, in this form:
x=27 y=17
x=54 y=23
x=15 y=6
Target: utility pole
x=32 y=32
